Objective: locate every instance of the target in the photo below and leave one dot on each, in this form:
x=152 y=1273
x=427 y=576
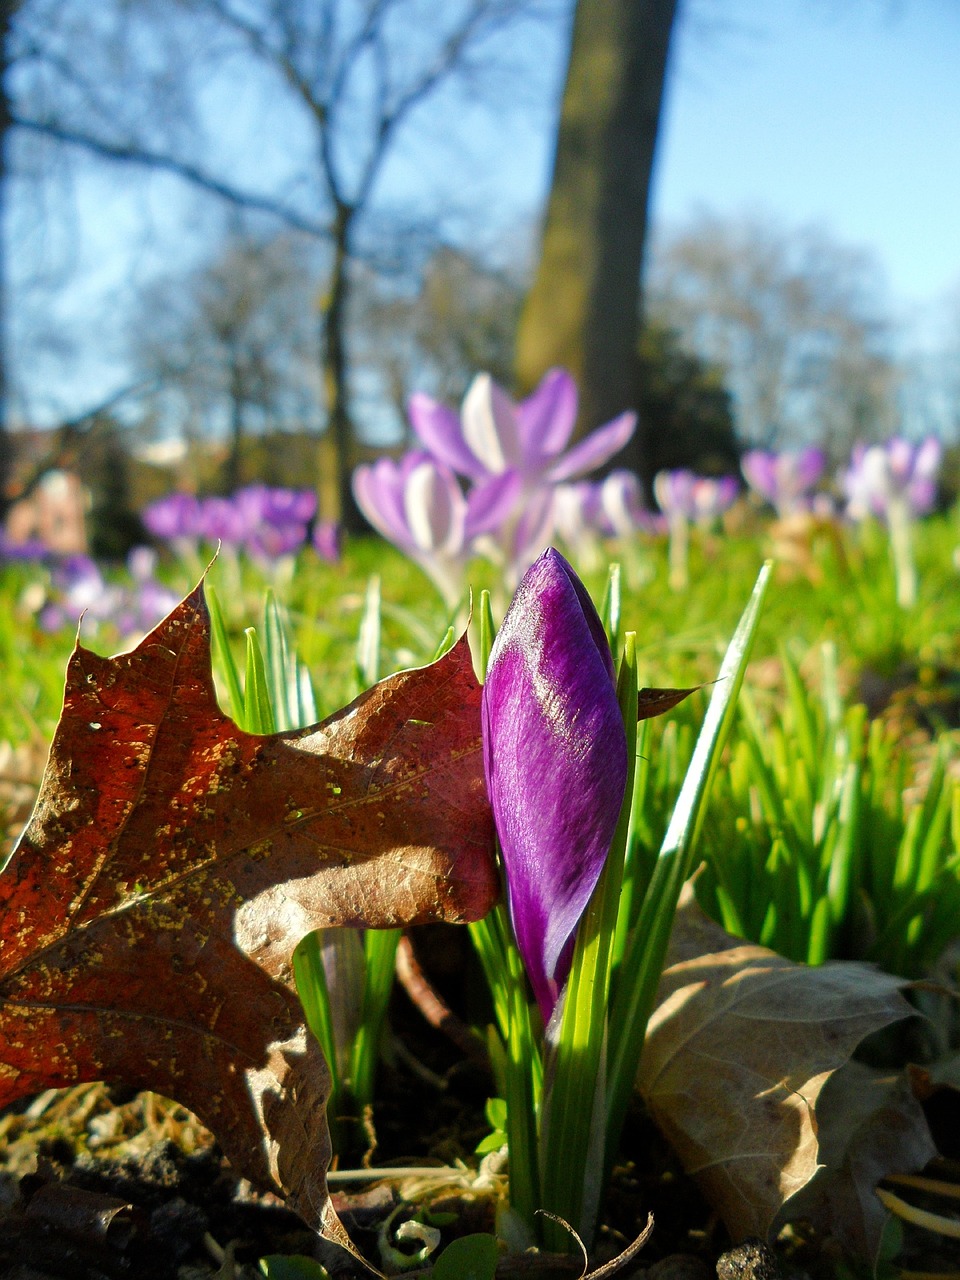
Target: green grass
x=807 y=780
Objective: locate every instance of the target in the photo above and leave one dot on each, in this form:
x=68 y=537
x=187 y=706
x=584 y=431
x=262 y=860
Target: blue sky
x=845 y=113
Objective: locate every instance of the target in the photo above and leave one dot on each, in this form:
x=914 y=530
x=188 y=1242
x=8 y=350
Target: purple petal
x=434 y=508
x=596 y=449
x=326 y=540
x=555 y=762
x=492 y=503
x=533 y=533
x=490 y=426
x=378 y=490
x=175 y=516
x=810 y=465
x=439 y=431
x=760 y=472
x=622 y=501
x=674 y=491
x=546 y=418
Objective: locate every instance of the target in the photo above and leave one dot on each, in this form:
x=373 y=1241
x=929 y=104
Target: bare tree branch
x=134 y=153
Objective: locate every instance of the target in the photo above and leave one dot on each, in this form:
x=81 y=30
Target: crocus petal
x=760 y=472
x=622 y=501
x=555 y=762
x=434 y=508
x=673 y=491
x=490 y=426
x=439 y=431
x=378 y=490
x=810 y=465
x=596 y=449
x=534 y=531
x=546 y=418
x=491 y=503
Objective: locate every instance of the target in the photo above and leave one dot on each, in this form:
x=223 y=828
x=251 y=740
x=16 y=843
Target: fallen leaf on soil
x=738 y=1050
x=151 y=907
x=870 y=1126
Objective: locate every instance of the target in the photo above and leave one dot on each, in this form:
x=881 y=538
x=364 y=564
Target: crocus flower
x=555 y=760
x=892 y=473
x=682 y=497
x=786 y=479
x=175 y=519
x=418 y=505
x=80 y=591
x=493 y=436
x=325 y=540
x=897 y=482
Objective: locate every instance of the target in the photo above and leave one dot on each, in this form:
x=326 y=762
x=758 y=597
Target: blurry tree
x=684 y=408
x=583 y=311
x=233 y=345
x=456 y=319
x=341 y=80
x=795 y=320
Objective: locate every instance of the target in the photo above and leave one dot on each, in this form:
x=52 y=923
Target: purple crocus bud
x=784 y=479
x=692 y=497
x=555 y=760
x=673 y=491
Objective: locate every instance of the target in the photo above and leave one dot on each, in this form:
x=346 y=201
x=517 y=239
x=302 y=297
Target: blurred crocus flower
x=495 y=436
x=578 y=520
x=786 y=479
x=896 y=482
x=897 y=471
x=492 y=434
x=684 y=497
x=418 y=505
x=175 y=519
x=555 y=761
x=325 y=540
x=79 y=590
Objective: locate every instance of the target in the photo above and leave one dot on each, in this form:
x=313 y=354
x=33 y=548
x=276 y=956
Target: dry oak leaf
x=151 y=907
x=737 y=1052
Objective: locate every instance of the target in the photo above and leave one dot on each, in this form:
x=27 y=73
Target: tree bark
x=333 y=315
x=584 y=307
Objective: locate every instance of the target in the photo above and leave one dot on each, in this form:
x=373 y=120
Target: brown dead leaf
x=150 y=910
x=738 y=1050
x=870 y=1126
x=656 y=702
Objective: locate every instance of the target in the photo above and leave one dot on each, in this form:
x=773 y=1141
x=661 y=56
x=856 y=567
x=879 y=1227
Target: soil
x=99 y=1184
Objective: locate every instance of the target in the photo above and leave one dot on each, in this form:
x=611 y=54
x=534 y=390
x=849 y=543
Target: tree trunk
x=333 y=316
x=583 y=310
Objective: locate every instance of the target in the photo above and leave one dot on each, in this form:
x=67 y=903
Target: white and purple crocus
x=895 y=482
x=555 y=760
x=483 y=481
x=785 y=480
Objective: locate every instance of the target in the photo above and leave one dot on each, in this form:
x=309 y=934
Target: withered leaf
x=738 y=1050
x=151 y=907
x=870 y=1126
x=656 y=702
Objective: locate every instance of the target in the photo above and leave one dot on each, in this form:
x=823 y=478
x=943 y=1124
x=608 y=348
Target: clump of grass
x=812 y=847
